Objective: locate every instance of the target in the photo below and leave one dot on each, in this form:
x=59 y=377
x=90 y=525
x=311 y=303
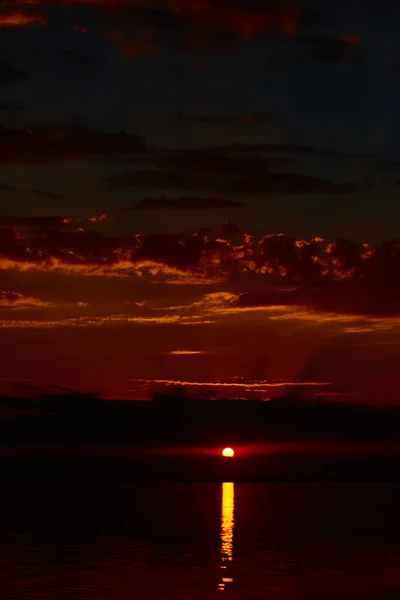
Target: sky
x=200 y=194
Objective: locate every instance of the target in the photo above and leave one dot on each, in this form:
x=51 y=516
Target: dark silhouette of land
x=177 y=437
x=176 y=419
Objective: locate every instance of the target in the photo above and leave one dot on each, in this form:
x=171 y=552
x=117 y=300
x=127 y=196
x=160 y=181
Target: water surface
x=187 y=541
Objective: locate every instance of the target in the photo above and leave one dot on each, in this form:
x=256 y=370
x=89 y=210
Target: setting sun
x=228 y=452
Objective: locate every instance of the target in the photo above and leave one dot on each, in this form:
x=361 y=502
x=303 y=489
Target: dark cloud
x=330 y=50
x=200 y=18
x=8 y=221
x=225 y=119
x=184 y=203
x=349 y=297
x=289 y=183
x=293 y=149
x=141 y=28
x=318 y=50
x=248 y=185
x=46 y=223
x=50 y=143
x=60 y=141
x=200 y=161
x=40 y=193
x=244 y=19
x=218 y=163
x=237 y=169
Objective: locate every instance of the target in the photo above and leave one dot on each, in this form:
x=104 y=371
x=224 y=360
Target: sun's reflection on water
x=227 y=528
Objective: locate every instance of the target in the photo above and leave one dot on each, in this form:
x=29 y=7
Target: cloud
x=245 y=19
x=47 y=223
x=197 y=25
x=40 y=193
x=16 y=300
x=225 y=119
x=213 y=169
x=267 y=148
x=330 y=50
x=273 y=270
x=187 y=26
x=17 y=18
x=186 y=352
x=234 y=170
x=184 y=203
x=98 y=218
x=5 y=3
x=141 y=28
x=350 y=297
x=235 y=184
x=96 y=321
x=317 y=50
x=52 y=143
x=248 y=385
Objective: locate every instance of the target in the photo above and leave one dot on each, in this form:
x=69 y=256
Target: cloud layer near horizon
x=226 y=303
x=338 y=276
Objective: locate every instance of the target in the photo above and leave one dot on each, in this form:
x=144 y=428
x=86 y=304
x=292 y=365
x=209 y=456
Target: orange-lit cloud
x=17 y=300
x=248 y=385
x=98 y=218
x=186 y=352
x=97 y=321
x=20 y=19
x=332 y=277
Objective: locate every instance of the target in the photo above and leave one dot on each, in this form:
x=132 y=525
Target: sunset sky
x=200 y=193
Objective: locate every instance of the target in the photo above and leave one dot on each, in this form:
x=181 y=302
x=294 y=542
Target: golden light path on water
x=227 y=528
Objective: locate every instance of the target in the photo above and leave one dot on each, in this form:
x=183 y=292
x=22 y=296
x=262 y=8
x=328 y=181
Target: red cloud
x=246 y=19
x=272 y=270
x=20 y=19
x=16 y=300
x=98 y=218
x=196 y=21
x=19 y=2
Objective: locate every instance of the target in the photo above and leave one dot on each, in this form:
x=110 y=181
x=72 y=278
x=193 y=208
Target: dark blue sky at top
x=346 y=105
x=305 y=97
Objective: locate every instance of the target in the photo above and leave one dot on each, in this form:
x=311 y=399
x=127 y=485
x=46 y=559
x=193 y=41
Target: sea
x=91 y=540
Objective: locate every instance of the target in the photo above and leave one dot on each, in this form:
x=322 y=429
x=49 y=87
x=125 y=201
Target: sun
x=228 y=452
